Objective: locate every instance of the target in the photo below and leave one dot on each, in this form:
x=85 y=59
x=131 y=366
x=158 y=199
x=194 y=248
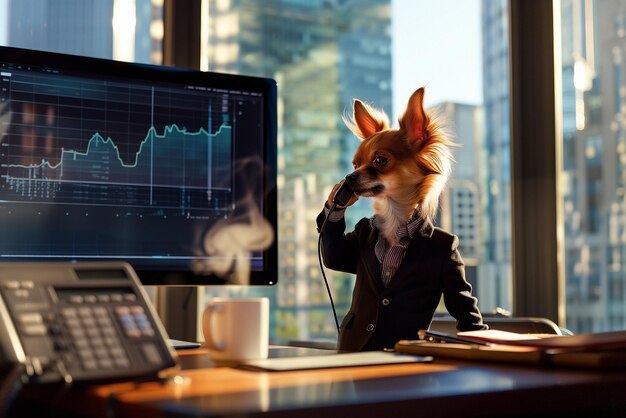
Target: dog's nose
x=352 y=177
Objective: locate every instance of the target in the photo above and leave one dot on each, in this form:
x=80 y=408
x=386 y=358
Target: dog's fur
x=404 y=170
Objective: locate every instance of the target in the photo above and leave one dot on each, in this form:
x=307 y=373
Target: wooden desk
x=439 y=389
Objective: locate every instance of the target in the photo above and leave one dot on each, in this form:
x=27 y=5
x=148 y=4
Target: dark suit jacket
x=380 y=316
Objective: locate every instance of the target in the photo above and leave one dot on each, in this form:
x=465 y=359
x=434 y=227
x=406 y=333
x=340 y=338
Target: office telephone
x=79 y=322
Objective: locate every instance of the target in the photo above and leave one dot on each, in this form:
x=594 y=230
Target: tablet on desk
x=367 y=358
x=183 y=345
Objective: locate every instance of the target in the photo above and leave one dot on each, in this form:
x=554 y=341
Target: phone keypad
x=95 y=337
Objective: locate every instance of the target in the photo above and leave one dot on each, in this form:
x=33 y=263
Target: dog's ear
x=366 y=120
x=415 y=120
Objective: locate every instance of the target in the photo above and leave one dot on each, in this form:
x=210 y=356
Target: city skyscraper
x=594 y=166
x=85 y=27
x=461 y=203
x=495 y=268
x=61 y=26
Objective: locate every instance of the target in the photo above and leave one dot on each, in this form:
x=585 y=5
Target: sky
x=436 y=44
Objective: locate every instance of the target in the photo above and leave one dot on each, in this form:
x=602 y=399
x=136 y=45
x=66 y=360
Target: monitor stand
x=177 y=307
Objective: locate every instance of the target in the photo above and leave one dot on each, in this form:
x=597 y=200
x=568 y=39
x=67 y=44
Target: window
x=323 y=55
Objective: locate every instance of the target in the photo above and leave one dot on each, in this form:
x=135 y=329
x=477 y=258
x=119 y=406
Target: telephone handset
x=79 y=322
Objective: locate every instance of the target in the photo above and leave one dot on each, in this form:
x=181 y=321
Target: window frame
x=536 y=156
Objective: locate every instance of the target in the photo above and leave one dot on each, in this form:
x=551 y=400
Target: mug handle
x=208 y=315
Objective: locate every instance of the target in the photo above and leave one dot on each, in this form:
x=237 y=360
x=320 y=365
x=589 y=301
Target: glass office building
x=87 y=27
x=495 y=268
x=594 y=164
x=462 y=203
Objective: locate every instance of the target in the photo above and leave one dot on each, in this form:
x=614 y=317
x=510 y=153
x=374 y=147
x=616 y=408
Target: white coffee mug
x=237 y=329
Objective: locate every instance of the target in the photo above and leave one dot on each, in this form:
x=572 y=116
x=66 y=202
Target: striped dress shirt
x=389 y=258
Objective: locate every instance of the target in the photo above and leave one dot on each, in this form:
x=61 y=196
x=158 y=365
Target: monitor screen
x=171 y=170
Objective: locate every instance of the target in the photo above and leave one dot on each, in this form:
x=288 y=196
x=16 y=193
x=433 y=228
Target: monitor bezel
x=100 y=67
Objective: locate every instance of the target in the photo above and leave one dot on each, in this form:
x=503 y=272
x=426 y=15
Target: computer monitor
x=171 y=170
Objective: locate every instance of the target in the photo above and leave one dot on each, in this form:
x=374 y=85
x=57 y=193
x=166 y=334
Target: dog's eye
x=380 y=161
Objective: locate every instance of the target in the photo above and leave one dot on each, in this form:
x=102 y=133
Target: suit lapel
x=371 y=262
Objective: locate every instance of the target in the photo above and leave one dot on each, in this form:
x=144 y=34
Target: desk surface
x=441 y=389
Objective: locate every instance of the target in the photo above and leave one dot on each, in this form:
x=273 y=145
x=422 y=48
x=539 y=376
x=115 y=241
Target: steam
x=230 y=243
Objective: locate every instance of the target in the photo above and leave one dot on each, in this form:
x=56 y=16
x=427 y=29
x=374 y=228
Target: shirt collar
x=413 y=224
